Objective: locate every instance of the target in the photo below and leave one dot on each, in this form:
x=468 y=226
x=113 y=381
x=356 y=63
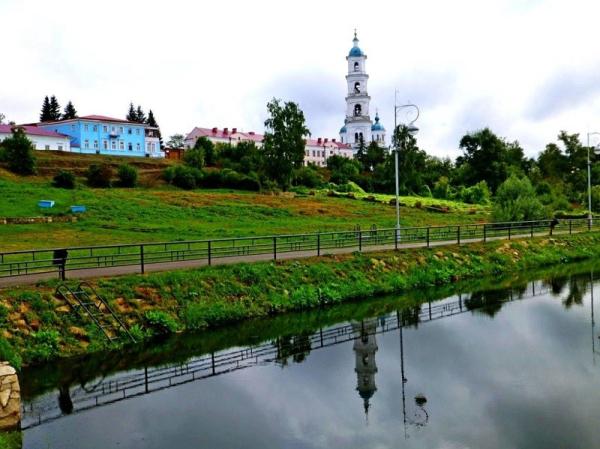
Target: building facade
x=106 y=135
x=42 y=139
x=318 y=151
x=358 y=124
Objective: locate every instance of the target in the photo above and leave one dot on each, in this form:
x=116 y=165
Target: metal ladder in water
x=85 y=298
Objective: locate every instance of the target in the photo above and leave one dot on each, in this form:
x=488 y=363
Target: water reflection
x=428 y=382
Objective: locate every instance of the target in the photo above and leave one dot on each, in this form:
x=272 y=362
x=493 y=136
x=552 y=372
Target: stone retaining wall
x=10 y=398
x=29 y=220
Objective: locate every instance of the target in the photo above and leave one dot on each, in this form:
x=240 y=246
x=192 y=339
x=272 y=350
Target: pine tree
x=141 y=117
x=46 y=114
x=151 y=121
x=54 y=109
x=131 y=115
x=70 y=111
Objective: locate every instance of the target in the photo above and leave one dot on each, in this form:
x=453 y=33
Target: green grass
x=166 y=214
x=11 y=440
x=214 y=296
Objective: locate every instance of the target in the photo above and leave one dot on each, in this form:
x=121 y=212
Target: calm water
x=506 y=368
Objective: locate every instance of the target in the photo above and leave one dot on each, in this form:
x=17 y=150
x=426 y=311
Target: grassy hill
x=164 y=213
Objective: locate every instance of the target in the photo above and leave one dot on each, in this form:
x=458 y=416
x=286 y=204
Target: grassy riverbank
x=38 y=327
x=10 y=440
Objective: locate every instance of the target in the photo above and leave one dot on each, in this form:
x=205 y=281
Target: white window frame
x=105 y=144
x=86 y=144
x=95 y=144
x=113 y=144
x=121 y=145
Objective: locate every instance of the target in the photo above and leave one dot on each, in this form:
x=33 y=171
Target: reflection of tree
x=65 y=403
x=296 y=347
x=488 y=302
x=556 y=284
x=410 y=316
x=577 y=289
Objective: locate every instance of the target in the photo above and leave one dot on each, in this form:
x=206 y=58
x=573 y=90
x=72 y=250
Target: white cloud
x=467 y=63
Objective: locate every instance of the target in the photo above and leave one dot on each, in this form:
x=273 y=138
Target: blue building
x=97 y=134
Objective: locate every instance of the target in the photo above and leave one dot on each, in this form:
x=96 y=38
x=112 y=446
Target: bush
x=194 y=158
x=308 y=177
x=8 y=353
x=160 y=323
x=127 y=175
x=184 y=177
x=64 y=180
x=45 y=345
x=99 y=175
x=477 y=194
x=516 y=201
x=18 y=152
x=441 y=189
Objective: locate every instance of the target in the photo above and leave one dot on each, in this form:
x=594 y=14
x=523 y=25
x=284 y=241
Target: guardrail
x=62 y=260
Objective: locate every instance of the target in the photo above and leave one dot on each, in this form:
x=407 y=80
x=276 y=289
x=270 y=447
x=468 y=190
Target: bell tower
x=358 y=123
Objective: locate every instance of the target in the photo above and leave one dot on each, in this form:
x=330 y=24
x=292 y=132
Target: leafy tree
x=245 y=157
x=411 y=164
x=552 y=162
x=70 y=111
x=54 y=109
x=516 y=201
x=127 y=175
x=284 y=140
x=140 y=115
x=176 y=141
x=64 y=180
x=46 y=114
x=99 y=175
x=308 y=176
x=342 y=169
x=208 y=150
x=19 y=153
x=131 y=114
x=441 y=189
x=375 y=155
x=194 y=157
x=361 y=154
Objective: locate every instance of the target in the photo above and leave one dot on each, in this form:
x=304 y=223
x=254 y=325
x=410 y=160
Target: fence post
x=360 y=240
x=509 y=229
x=484 y=233
x=396 y=238
x=318 y=243
x=589 y=224
x=428 y=244
x=209 y=252
x=142 y=258
x=458 y=235
x=570 y=227
x=274 y=248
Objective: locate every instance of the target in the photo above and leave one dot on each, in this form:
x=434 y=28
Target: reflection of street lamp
x=589 y=172
x=412 y=130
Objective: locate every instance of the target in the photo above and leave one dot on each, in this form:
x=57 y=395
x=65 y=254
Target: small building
x=318 y=151
x=106 y=135
x=42 y=139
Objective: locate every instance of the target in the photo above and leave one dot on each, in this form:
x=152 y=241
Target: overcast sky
x=526 y=69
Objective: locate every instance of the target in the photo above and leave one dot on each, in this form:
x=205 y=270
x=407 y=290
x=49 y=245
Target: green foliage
x=183 y=177
x=11 y=440
x=99 y=175
x=127 y=175
x=342 y=169
x=70 y=111
x=516 y=201
x=139 y=333
x=284 y=141
x=194 y=158
x=18 y=152
x=308 y=176
x=441 y=189
x=207 y=149
x=64 y=180
x=477 y=194
x=9 y=354
x=176 y=141
x=160 y=322
x=45 y=345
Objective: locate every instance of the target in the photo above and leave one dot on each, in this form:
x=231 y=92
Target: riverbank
x=38 y=326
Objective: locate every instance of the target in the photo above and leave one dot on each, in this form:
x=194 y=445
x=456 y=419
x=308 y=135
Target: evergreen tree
x=70 y=111
x=46 y=114
x=284 y=140
x=18 y=153
x=131 y=115
x=140 y=116
x=151 y=121
x=54 y=109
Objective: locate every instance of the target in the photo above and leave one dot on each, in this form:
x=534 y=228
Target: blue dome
x=377 y=126
x=355 y=51
x=343 y=129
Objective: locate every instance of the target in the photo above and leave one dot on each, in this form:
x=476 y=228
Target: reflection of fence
x=21 y=263
x=131 y=384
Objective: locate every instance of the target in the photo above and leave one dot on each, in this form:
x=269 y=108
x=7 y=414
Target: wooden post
x=274 y=248
x=360 y=240
x=142 y=258
x=396 y=238
x=484 y=233
x=458 y=235
x=428 y=243
x=318 y=243
x=570 y=227
x=509 y=229
x=209 y=252
x=532 y=229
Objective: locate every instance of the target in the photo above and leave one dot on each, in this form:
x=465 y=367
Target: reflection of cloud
x=563 y=91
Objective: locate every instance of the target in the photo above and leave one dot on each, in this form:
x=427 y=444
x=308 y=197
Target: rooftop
x=31 y=130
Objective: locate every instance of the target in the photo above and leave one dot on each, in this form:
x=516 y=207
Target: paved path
x=167 y=266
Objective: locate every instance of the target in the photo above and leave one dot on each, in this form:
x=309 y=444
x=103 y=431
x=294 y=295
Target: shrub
x=477 y=194
x=127 y=175
x=8 y=353
x=308 y=177
x=194 y=158
x=183 y=177
x=160 y=322
x=64 y=180
x=19 y=153
x=516 y=201
x=99 y=175
x=45 y=345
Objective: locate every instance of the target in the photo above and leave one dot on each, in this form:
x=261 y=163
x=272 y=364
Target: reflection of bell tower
x=365 y=348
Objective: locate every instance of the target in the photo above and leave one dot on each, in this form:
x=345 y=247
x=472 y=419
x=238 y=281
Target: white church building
x=358 y=124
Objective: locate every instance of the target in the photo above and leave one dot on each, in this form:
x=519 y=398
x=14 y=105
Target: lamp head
x=597 y=149
x=412 y=130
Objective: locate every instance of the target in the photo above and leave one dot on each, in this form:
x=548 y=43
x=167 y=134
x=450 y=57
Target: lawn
x=164 y=213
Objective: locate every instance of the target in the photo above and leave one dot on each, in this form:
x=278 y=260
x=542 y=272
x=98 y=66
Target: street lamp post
x=412 y=130
x=589 y=173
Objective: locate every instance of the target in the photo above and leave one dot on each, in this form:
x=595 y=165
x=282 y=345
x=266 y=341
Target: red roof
x=31 y=130
x=95 y=118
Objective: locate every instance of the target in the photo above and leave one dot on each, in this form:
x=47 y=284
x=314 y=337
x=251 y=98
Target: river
x=512 y=364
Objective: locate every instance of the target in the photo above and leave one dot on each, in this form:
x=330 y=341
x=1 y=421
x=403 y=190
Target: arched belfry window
x=356 y=66
x=357 y=87
x=356 y=137
x=361 y=136
x=357 y=110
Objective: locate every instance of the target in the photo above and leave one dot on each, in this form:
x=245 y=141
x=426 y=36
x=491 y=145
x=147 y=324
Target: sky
x=526 y=69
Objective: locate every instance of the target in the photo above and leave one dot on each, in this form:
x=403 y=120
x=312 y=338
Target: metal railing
x=21 y=263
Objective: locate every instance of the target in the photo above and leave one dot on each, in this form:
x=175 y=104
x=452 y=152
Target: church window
x=356 y=66
x=361 y=136
x=356 y=137
x=357 y=87
x=357 y=110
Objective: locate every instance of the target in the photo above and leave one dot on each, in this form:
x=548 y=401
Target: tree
x=411 y=163
x=19 y=153
x=151 y=121
x=194 y=157
x=46 y=114
x=2 y=118
x=131 y=114
x=99 y=175
x=284 y=140
x=552 y=162
x=361 y=154
x=176 y=141
x=376 y=155
x=70 y=111
x=516 y=201
x=140 y=115
x=342 y=169
x=127 y=175
x=208 y=150
x=54 y=109
x=64 y=180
